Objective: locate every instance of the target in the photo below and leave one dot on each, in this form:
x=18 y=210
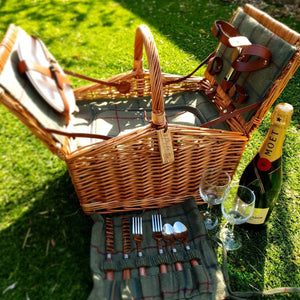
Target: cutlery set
x=160 y=232
x=137 y=234
x=157 y=235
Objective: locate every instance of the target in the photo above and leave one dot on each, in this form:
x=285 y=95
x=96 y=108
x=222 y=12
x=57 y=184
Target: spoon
x=168 y=235
x=181 y=234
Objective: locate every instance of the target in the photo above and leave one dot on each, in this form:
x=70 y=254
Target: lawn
x=44 y=235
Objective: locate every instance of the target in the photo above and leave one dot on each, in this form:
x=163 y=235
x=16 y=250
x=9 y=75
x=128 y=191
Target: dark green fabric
x=112 y=117
x=256 y=83
x=205 y=281
x=105 y=116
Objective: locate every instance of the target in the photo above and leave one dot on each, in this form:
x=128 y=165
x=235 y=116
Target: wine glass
x=213 y=189
x=237 y=208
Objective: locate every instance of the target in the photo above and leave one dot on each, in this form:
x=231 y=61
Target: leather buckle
x=238 y=94
x=226 y=85
x=215 y=65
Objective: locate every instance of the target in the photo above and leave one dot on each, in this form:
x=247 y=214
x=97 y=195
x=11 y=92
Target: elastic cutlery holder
x=204 y=280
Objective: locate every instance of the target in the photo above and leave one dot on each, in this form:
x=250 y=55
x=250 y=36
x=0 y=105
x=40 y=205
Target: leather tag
x=165 y=146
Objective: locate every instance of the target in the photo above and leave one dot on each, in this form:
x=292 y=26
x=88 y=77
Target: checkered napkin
x=204 y=281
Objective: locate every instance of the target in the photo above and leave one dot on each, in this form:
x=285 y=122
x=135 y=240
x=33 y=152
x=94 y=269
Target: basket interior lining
x=113 y=117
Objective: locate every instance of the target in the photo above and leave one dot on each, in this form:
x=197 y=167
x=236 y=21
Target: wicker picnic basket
x=158 y=164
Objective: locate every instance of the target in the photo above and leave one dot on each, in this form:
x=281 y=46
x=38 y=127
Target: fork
x=137 y=234
x=157 y=235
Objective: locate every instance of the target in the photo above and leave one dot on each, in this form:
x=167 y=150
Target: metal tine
x=160 y=223
x=157 y=235
x=133 y=225
x=154 y=226
x=156 y=223
x=137 y=232
x=141 y=225
x=137 y=225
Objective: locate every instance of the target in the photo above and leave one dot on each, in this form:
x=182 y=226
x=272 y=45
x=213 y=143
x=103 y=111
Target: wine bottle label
x=259 y=215
x=263 y=164
x=272 y=146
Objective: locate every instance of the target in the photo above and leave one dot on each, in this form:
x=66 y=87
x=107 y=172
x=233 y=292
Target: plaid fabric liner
x=109 y=117
x=112 y=117
x=256 y=83
x=119 y=116
x=200 y=282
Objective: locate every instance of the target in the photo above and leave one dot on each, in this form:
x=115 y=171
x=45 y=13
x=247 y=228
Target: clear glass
x=237 y=208
x=213 y=189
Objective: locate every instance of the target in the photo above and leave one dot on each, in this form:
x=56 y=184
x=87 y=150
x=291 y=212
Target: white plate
x=31 y=50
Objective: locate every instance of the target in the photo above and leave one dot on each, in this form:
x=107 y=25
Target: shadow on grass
x=55 y=258
x=186 y=23
x=46 y=251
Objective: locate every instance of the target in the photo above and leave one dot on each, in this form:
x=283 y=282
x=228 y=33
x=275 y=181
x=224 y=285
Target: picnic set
x=138 y=144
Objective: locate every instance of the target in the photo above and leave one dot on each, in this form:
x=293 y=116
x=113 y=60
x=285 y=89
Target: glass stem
x=209 y=209
x=231 y=228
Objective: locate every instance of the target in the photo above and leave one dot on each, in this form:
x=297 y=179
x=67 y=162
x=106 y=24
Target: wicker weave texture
x=126 y=173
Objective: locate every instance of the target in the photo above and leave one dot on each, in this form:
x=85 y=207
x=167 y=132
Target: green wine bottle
x=263 y=175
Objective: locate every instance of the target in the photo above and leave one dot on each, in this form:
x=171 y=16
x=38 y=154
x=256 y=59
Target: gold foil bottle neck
x=282 y=115
x=271 y=148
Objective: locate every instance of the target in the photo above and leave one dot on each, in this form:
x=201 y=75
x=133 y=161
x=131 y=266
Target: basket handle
x=144 y=37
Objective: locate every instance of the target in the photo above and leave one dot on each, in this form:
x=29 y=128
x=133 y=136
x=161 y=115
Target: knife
x=126 y=244
x=109 y=275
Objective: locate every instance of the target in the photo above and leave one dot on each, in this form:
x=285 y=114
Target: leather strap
x=123 y=86
x=26 y=65
x=77 y=134
x=215 y=65
x=52 y=72
x=224 y=31
x=192 y=73
x=231 y=114
x=237 y=93
x=243 y=65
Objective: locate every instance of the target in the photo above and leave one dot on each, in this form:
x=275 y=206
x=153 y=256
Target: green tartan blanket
x=204 y=281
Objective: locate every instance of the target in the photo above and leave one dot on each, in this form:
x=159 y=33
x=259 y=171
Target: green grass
x=44 y=236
